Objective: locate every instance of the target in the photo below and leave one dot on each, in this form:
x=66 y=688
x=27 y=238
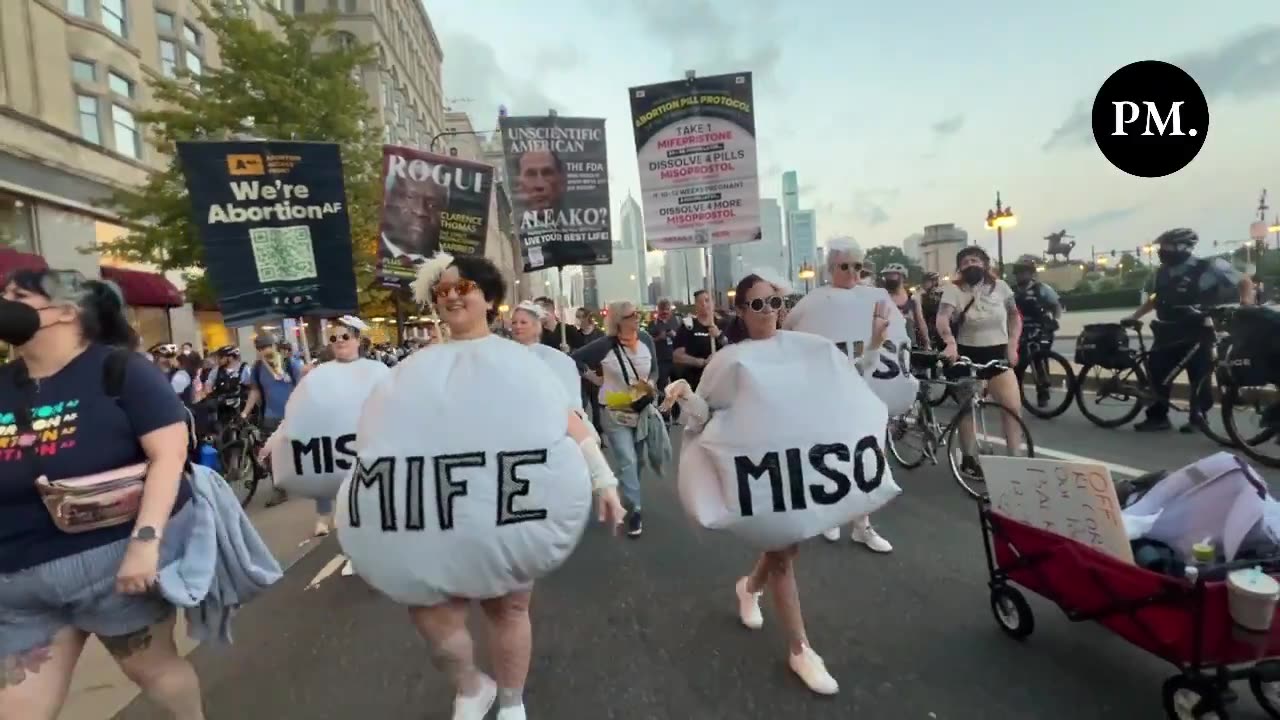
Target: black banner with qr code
x=272 y=217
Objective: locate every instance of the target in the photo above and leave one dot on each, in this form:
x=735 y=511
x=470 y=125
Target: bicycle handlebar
x=991 y=365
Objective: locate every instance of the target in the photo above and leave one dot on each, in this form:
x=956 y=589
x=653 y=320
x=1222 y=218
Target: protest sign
x=558 y=171
x=1076 y=500
x=466 y=483
x=817 y=463
x=432 y=203
x=272 y=218
x=696 y=148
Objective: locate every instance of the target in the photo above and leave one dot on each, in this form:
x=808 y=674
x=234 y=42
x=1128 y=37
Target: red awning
x=12 y=261
x=144 y=289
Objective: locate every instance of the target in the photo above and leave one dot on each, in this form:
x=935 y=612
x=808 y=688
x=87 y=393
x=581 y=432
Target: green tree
x=297 y=84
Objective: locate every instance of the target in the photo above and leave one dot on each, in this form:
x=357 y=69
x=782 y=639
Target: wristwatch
x=146 y=533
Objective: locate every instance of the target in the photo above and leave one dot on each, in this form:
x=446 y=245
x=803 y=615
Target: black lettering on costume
x=381 y=472
x=818 y=459
x=301 y=450
x=795 y=479
x=888 y=362
x=511 y=487
x=415 y=514
x=448 y=489
x=859 y=469
x=346 y=454
x=747 y=471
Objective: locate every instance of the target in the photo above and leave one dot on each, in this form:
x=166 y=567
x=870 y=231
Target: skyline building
x=682 y=274
x=631 y=220
x=802 y=241
x=790 y=191
x=769 y=252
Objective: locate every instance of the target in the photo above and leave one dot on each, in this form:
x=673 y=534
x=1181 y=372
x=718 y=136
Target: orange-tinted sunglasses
x=462 y=287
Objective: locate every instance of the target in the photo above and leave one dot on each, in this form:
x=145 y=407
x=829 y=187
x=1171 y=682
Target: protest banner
x=696 y=147
x=272 y=218
x=431 y=203
x=558 y=171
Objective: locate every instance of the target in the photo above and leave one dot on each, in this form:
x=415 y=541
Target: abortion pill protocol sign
x=696 y=147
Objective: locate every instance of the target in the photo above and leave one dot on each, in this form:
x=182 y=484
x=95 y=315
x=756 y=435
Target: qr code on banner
x=283 y=254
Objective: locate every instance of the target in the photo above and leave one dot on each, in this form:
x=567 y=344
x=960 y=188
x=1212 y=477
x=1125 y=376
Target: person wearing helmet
x=930 y=297
x=894 y=279
x=167 y=359
x=979 y=320
x=1039 y=306
x=1184 y=280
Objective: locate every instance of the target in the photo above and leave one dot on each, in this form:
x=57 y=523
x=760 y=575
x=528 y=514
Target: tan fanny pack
x=93 y=502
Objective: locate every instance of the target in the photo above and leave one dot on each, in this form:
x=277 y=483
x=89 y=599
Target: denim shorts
x=79 y=591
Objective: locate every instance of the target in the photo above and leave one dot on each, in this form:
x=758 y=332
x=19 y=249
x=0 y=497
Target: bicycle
x=237 y=442
x=1246 y=376
x=1130 y=380
x=1035 y=353
x=965 y=382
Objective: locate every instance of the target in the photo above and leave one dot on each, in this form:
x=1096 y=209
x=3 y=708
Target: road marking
x=330 y=568
x=1116 y=468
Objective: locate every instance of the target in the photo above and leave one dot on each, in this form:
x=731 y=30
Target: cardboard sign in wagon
x=1073 y=499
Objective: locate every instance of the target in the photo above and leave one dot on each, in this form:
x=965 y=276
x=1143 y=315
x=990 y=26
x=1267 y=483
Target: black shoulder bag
x=624 y=360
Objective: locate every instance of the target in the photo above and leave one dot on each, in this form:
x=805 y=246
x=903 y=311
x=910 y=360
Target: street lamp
x=999 y=219
x=806 y=274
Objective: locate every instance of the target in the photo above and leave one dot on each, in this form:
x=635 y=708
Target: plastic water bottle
x=209 y=457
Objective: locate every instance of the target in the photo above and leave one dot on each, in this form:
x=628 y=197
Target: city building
x=790 y=191
x=655 y=290
x=769 y=253
x=682 y=274
x=911 y=246
x=631 y=225
x=802 y=241
x=727 y=268
x=73 y=78
x=939 y=246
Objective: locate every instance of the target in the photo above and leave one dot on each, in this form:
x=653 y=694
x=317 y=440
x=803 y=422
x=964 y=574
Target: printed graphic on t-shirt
x=50 y=432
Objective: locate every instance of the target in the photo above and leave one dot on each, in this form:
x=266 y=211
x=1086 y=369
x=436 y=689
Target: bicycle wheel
x=989 y=440
x=1242 y=409
x=1115 y=388
x=1051 y=378
x=907 y=438
x=1208 y=426
x=937 y=392
x=240 y=472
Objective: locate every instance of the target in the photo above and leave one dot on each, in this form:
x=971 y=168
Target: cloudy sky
x=898 y=115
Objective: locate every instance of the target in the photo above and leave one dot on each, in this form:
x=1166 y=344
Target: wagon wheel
x=1012 y=612
x=1267 y=693
x=1187 y=698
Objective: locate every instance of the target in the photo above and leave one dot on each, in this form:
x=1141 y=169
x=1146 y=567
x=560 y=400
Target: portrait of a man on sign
x=542 y=181
x=411 y=218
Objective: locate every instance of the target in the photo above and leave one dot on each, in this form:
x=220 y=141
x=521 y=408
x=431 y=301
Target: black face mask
x=19 y=322
x=892 y=285
x=1022 y=280
x=1172 y=256
x=973 y=274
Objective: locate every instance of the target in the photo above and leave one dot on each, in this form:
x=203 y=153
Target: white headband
x=533 y=309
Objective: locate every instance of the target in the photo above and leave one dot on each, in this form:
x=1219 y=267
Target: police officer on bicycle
x=1039 y=306
x=1182 y=281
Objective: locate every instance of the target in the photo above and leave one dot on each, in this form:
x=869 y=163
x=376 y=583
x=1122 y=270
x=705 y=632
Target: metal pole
x=564 y=327
x=688 y=284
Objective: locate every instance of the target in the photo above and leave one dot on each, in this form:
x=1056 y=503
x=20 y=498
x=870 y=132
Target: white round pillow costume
x=565 y=370
x=314 y=448
x=467 y=484
x=792 y=447
x=845 y=316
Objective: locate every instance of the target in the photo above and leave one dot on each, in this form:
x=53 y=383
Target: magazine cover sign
x=431 y=203
x=272 y=218
x=696 y=148
x=558 y=170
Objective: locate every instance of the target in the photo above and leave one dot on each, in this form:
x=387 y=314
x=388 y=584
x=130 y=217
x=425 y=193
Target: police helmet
x=1181 y=237
x=1027 y=261
x=894 y=268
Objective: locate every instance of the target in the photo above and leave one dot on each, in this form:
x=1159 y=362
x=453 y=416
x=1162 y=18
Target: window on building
x=17 y=223
x=299 y=7
x=168 y=58
x=120 y=85
x=78 y=8
x=351 y=6
x=344 y=40
x=126 y=132
x=333 y=5
x=84 y=71
x=164 y=22
x=87 y=110
x=193 y=62
x=113 y=17
x=190 y=34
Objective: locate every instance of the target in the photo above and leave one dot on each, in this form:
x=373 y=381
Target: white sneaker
x=809 y=666
x=749 y=606
x=833 y=534
x=477 y=706
x=516 y=712
x=868 y=536
x=322 y=527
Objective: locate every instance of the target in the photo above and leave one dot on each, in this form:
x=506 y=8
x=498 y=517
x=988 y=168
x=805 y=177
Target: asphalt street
x=647 y=628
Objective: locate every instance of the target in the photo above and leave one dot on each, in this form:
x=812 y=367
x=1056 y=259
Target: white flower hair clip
x=429 y=273
x=532 y=308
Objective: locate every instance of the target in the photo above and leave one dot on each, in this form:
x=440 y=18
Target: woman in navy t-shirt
x=59 y=418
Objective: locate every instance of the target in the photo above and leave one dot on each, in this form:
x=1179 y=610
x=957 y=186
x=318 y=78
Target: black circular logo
x=1150 y=119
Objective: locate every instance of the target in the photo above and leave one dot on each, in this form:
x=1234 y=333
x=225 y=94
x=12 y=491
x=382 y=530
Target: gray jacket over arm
x=594 y=352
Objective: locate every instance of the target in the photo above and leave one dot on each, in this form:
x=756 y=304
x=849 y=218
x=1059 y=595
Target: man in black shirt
x=693 y=344
x=551 y=326
x=664 y=328
x=584 y=332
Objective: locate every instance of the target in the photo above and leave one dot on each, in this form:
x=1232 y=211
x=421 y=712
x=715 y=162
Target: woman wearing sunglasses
x=764 y=371
x=632 y=426
x=422 y=518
